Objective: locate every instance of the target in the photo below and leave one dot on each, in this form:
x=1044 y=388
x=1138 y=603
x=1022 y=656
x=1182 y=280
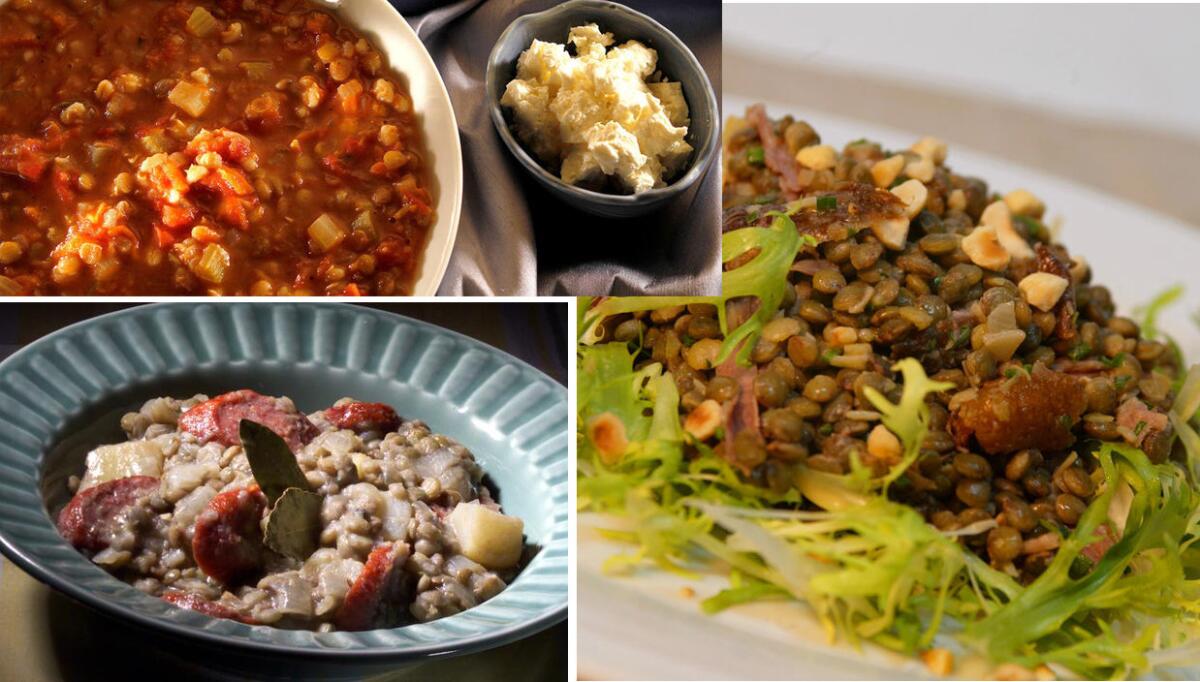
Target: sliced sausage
x=1145 y=428
x=364 y=417
x=1035 y=410
x=377 y=597
x=227 y=544
x=741 y=415
x=95 y=516
x=219 y=418
x=1106 y=537
x=194 y=602
x=793 y=178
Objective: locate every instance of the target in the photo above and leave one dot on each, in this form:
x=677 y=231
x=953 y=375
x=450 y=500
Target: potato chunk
x=487 y=536
x=110 y=462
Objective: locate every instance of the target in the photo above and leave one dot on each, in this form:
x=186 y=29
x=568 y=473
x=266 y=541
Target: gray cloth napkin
x=515 y=239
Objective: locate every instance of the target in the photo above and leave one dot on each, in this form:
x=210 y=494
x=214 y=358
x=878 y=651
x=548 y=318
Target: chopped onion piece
x=192 y=98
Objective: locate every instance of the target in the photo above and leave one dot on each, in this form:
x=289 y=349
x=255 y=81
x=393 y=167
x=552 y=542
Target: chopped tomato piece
x=22 y=156
x=16 y=33
x=64 y=184
x=163 y=237
x=233 y=211
x=234 y=181
x=178 y=216
x=233 y=147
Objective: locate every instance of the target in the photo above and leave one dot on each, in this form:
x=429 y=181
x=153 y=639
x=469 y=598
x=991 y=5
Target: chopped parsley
x=756 y=156
x=1113 y=362
x=825 y=429
x=962 y=335
x=1011 y=372
x=1120 y=382
x=719 y=433
x=827 y=203
x=829 y=354
x=1036 y=229
x=1141 y=426
x=1079 y=351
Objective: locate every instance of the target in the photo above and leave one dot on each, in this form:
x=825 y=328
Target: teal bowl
x=66 y=392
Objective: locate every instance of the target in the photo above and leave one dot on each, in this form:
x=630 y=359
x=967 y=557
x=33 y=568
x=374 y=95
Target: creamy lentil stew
x=407 y=531
x=203 y=147
x=889 y=501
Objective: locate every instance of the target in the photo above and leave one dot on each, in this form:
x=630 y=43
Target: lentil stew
x=231 y=147
x=399 y=527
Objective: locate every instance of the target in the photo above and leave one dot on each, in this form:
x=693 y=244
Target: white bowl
x=381 y=23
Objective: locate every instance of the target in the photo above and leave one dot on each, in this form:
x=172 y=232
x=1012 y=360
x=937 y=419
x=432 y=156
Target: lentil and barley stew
x=387 y=523
x=238 y=147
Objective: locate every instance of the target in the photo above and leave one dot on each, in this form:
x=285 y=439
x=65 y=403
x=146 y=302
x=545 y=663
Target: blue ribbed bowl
x=66 y=392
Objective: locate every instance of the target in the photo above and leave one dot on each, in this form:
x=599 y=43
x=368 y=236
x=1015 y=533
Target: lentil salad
x=204 y=147
x=900 y=358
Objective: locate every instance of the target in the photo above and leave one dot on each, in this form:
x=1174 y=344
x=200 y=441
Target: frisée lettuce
x=871 y=568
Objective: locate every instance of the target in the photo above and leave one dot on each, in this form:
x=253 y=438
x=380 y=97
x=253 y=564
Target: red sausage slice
x=227 y=544
x=376 y=597
x=194 y=602
x=218 y=418
x=92 y=517
x=364 y=417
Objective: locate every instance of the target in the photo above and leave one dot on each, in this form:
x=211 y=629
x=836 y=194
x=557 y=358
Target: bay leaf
x=293 y=524
x=271 y=460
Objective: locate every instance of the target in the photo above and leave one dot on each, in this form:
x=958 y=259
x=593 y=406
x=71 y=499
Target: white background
x=1127 y=63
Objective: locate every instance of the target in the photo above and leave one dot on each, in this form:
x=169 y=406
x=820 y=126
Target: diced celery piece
x=213 y=265
x=365 y=222
x=326 y=234
x=202 y=23
x=256 y=70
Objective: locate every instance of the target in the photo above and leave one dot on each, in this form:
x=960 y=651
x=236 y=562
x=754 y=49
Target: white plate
x=642 y=627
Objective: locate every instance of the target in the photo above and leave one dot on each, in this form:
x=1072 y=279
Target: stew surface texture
x=398 y=526
x=226 y=147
